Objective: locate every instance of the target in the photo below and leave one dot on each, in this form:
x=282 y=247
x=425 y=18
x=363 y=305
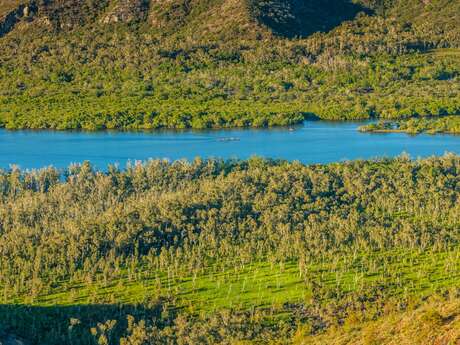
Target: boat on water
x=229 y=139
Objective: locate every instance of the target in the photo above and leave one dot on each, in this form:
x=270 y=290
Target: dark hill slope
x=211 y=63
x=303 y=17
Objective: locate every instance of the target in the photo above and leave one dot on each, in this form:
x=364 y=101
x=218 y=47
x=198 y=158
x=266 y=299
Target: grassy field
x=263 y=284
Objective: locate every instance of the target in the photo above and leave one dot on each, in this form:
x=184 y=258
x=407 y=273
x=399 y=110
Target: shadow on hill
x=301 y=18
x=68 y=325
x=9 y=20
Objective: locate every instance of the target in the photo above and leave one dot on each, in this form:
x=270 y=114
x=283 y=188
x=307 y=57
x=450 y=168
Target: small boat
x=229 y=139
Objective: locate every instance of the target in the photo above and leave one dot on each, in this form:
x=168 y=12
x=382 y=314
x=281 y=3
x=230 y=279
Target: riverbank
x=441 y=125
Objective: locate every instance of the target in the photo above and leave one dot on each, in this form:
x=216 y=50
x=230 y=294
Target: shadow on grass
x=53 y=325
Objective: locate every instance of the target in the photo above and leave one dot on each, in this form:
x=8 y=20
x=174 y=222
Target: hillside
x=215 y=63
x=232 y=252
x=434 y=322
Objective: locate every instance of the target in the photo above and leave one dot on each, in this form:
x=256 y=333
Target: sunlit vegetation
x=221 y=251
x=434 y=322
x=230 y=252
x=215 y=63
x=448 y=125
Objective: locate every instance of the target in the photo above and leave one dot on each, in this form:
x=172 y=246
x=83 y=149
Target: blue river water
x=312 y=142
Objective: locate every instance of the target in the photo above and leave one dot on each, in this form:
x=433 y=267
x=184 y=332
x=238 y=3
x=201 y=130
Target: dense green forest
x=237 y=252
x=231 y=252
x=85 y=64
x=447 y=124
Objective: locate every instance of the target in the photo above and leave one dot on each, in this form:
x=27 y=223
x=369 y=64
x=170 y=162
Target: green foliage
x=227 y=252
x=208 y=63
x=448 y=124
x=222 y=250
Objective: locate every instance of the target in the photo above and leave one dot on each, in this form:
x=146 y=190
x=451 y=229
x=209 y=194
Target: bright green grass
x=444 y=52
x=265 y=285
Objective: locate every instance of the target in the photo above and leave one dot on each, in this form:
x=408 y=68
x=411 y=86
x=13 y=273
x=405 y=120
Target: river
x=312 y=142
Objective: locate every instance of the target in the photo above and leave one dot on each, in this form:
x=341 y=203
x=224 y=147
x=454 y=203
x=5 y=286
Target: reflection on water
x=314 y=142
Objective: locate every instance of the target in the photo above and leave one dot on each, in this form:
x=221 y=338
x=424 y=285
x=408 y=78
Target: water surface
x=313 y=142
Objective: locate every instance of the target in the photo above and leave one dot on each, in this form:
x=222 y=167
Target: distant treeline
x=447 y=124
x=241 y=95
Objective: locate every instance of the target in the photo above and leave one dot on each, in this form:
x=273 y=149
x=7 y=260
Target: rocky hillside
x=291 y=18
x=69 y=14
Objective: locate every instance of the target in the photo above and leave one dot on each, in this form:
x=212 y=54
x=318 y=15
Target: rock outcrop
x=126 y=11
x=68 y=14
